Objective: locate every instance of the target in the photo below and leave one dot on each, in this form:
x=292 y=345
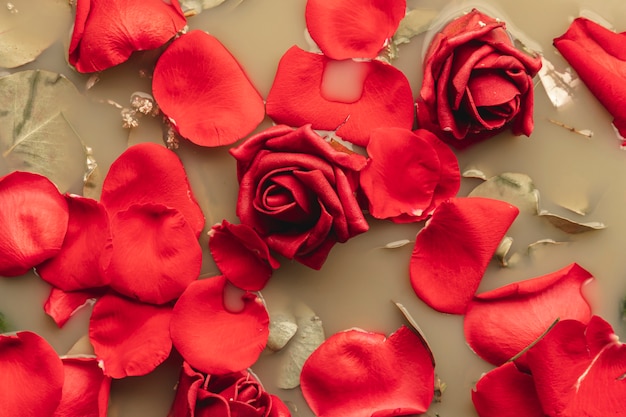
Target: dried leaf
x=570 y=226
x=559 y=86
x=415 y=327
x=282 y=328
x=29 y=28
x=308 y=337
x=415 y=22
x=397 y=244
x=92 y=180
x=474 y=173
x=512 y=187
x=35 y=133
x=503 y=250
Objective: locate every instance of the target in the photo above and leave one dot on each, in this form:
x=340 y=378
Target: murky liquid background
x=360 y=279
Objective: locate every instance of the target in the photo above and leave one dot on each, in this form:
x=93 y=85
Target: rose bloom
x=235 y=394
x=476 y=83
x=298 y=192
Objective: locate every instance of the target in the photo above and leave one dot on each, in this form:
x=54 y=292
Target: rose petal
x=213 y=339
x=500 y=323
x=204 y=91
x=506 y=392
x=296 y=98
x=31 y=375
x=604 y=74
x=453 y=250
x=107 y=32
x=404 y=172
x=357 y=373
x=62 y=305
x=579 y=370
x=79 y=264
x=34 y=220
x=154 y=254
x=85 y=390
x=150 y=173
x=353 y=29
x=129 y=338
x=241 y=255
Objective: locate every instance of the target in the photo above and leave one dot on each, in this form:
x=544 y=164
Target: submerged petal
x=214 y=336
x=453 y=250
x=358 y=373
x=204 y=91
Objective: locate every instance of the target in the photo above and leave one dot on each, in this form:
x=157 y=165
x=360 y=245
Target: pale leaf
x=415 y=22
x=569 y=225
x=514 y=188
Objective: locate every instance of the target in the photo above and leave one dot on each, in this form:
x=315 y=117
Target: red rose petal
x=500 y=323
x=79 y=265
x=353 y=29
x=506 y=392
x=61 y=305
x=358 y=373
x=150 y=173
x=213 y=339
x=34 y=219
x=296 y=98
x=204 y=91
x=241 y=255
x=85 y=390
x=107 y=32
x=31 y=376
x=579 y=370
x=154 y=253
x=404 y=172
x=129 y=338
x=453 y=250
x=604 y=75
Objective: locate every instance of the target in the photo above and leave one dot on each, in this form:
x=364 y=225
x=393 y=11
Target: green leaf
x=29 y=27
x=35 y=132
x=4 y=327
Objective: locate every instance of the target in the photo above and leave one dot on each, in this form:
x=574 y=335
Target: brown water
x=360 y=279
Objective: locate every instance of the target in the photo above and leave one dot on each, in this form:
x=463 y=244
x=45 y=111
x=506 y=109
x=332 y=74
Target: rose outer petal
x=354 y=28
x=34 y=220
x=296 y=98
x=358 y=373
x=604 y=75
x=241 y=255
x=79 y=264
x=85 y=390
x=154 y=254
x=150 y=173
x=204 y=91
x=31 y=376
x=107 y=32
x=129 y=338
x=453 y=250
x=500 y=323
x=213 y=339
x=506 y=392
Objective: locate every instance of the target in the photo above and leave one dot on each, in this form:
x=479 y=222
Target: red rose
x=297 y=191
x=476 y=83
x=236 y=394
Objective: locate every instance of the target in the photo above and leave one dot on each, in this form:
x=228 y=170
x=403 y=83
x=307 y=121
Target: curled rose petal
x=358 y=373
x=217 y=335
x=107 y=32
x=405 y=178
x=34 y=220
x=585 y=38
x=204 y=91
x=61 y=305
x=506 y=392
x=500 y=323
x=453 y=250
x=129 y=338
x=31 y=376
x=297 y=97
x=85 y=390
x=241 y=255
x=79 y=264
x=579 y=370
x=154 y=254
x=150 y=173
x=355 y=28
